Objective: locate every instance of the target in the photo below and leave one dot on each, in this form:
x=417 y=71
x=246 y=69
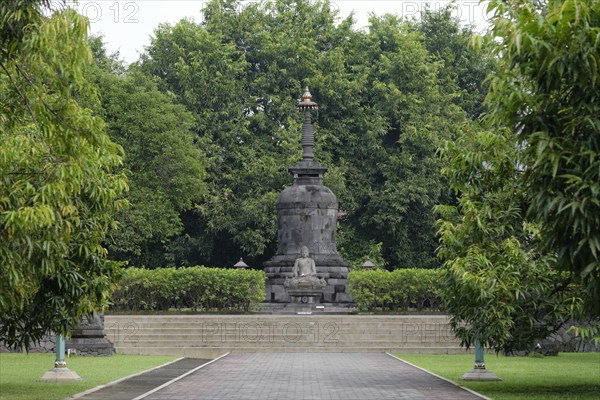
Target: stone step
x=219 y=329
x=215 y=326
x=281 y=343
x=353 y=325
x=269 y=317
x=213 y=352
x=254 y=336
x=204 y=334
x=189 y=323
x=250 y=331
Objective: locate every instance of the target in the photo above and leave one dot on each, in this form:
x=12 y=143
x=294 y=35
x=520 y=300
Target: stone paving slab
x=305 y=376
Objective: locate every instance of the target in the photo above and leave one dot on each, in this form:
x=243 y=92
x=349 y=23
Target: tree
x=521 y=248
x=208 y=75
x=464 y=67
x=499 y=290
x=164 y=163
x=388 y=143
x=547 y=92
x=60 y=189
x=381 y=119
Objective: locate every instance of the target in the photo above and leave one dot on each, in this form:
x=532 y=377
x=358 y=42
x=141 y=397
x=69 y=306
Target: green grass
x=20 y=374
x=571 y=376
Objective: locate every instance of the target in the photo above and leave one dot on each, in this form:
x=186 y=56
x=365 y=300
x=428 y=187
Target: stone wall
x=82 y=347
x=46 y=345
x=87 y=339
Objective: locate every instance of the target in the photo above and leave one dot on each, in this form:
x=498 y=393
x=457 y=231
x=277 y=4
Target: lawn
x=569 y=376
x=20 y=374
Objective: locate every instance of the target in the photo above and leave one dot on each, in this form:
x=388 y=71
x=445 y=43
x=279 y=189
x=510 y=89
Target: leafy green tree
x=547 y=91
x=164 y=163
x=387 y=141
x=235 y=82
x=381 y=119
x=521 y=248
x=464 y=66
x=499 y=290
x=59 y=189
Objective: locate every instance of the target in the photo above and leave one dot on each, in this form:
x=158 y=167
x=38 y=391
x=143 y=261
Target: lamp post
x=60 y=372
x=240 y=264
x=479 y=373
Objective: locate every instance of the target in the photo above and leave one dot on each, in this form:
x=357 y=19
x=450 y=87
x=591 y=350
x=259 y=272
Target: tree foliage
x=164 y=163
x=499 y=290
x=382 y=116
x=547 y=91
x=464 y=67
x=59 y=187
x=521 y=248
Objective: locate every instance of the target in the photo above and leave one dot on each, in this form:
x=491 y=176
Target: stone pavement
x=304 y=376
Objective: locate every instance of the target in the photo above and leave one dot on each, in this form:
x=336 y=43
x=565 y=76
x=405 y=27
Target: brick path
x=304 y=376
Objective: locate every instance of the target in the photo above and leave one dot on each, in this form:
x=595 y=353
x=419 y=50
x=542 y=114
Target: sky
x=127 y=25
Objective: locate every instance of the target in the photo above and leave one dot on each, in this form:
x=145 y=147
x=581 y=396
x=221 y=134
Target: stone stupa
x=307 y=216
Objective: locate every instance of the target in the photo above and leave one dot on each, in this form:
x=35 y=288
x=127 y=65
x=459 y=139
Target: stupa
x=307 y=216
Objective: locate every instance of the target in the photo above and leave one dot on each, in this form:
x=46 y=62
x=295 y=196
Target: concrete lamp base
x=479 y=375
x=62 y=374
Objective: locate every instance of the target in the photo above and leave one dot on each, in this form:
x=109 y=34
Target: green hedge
x=196 y=288
x=401 y=289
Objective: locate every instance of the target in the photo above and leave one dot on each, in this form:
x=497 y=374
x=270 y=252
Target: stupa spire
x=308 y=136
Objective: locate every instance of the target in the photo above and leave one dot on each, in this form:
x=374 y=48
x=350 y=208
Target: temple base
x=305 y=296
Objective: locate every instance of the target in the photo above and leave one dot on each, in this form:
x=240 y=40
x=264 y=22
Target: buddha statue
x=304 y=273
x=304 y=266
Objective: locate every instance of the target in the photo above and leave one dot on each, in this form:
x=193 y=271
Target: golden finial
x=307 y=104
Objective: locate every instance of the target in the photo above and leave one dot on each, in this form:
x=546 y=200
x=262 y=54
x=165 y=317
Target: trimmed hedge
x=196 y=288
x=401 y=289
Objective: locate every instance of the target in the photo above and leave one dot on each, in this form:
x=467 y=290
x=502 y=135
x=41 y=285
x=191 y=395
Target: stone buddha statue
x=304 y=273
x=304 y=266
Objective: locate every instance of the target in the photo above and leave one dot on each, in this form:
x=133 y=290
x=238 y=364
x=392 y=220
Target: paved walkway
x=304 y=376
x=138 y=385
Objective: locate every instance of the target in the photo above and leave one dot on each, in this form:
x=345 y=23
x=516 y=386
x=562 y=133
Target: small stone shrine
x=307 y=221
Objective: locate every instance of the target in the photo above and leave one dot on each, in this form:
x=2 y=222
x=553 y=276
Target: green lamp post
x=479 y=373
x=60 y=372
